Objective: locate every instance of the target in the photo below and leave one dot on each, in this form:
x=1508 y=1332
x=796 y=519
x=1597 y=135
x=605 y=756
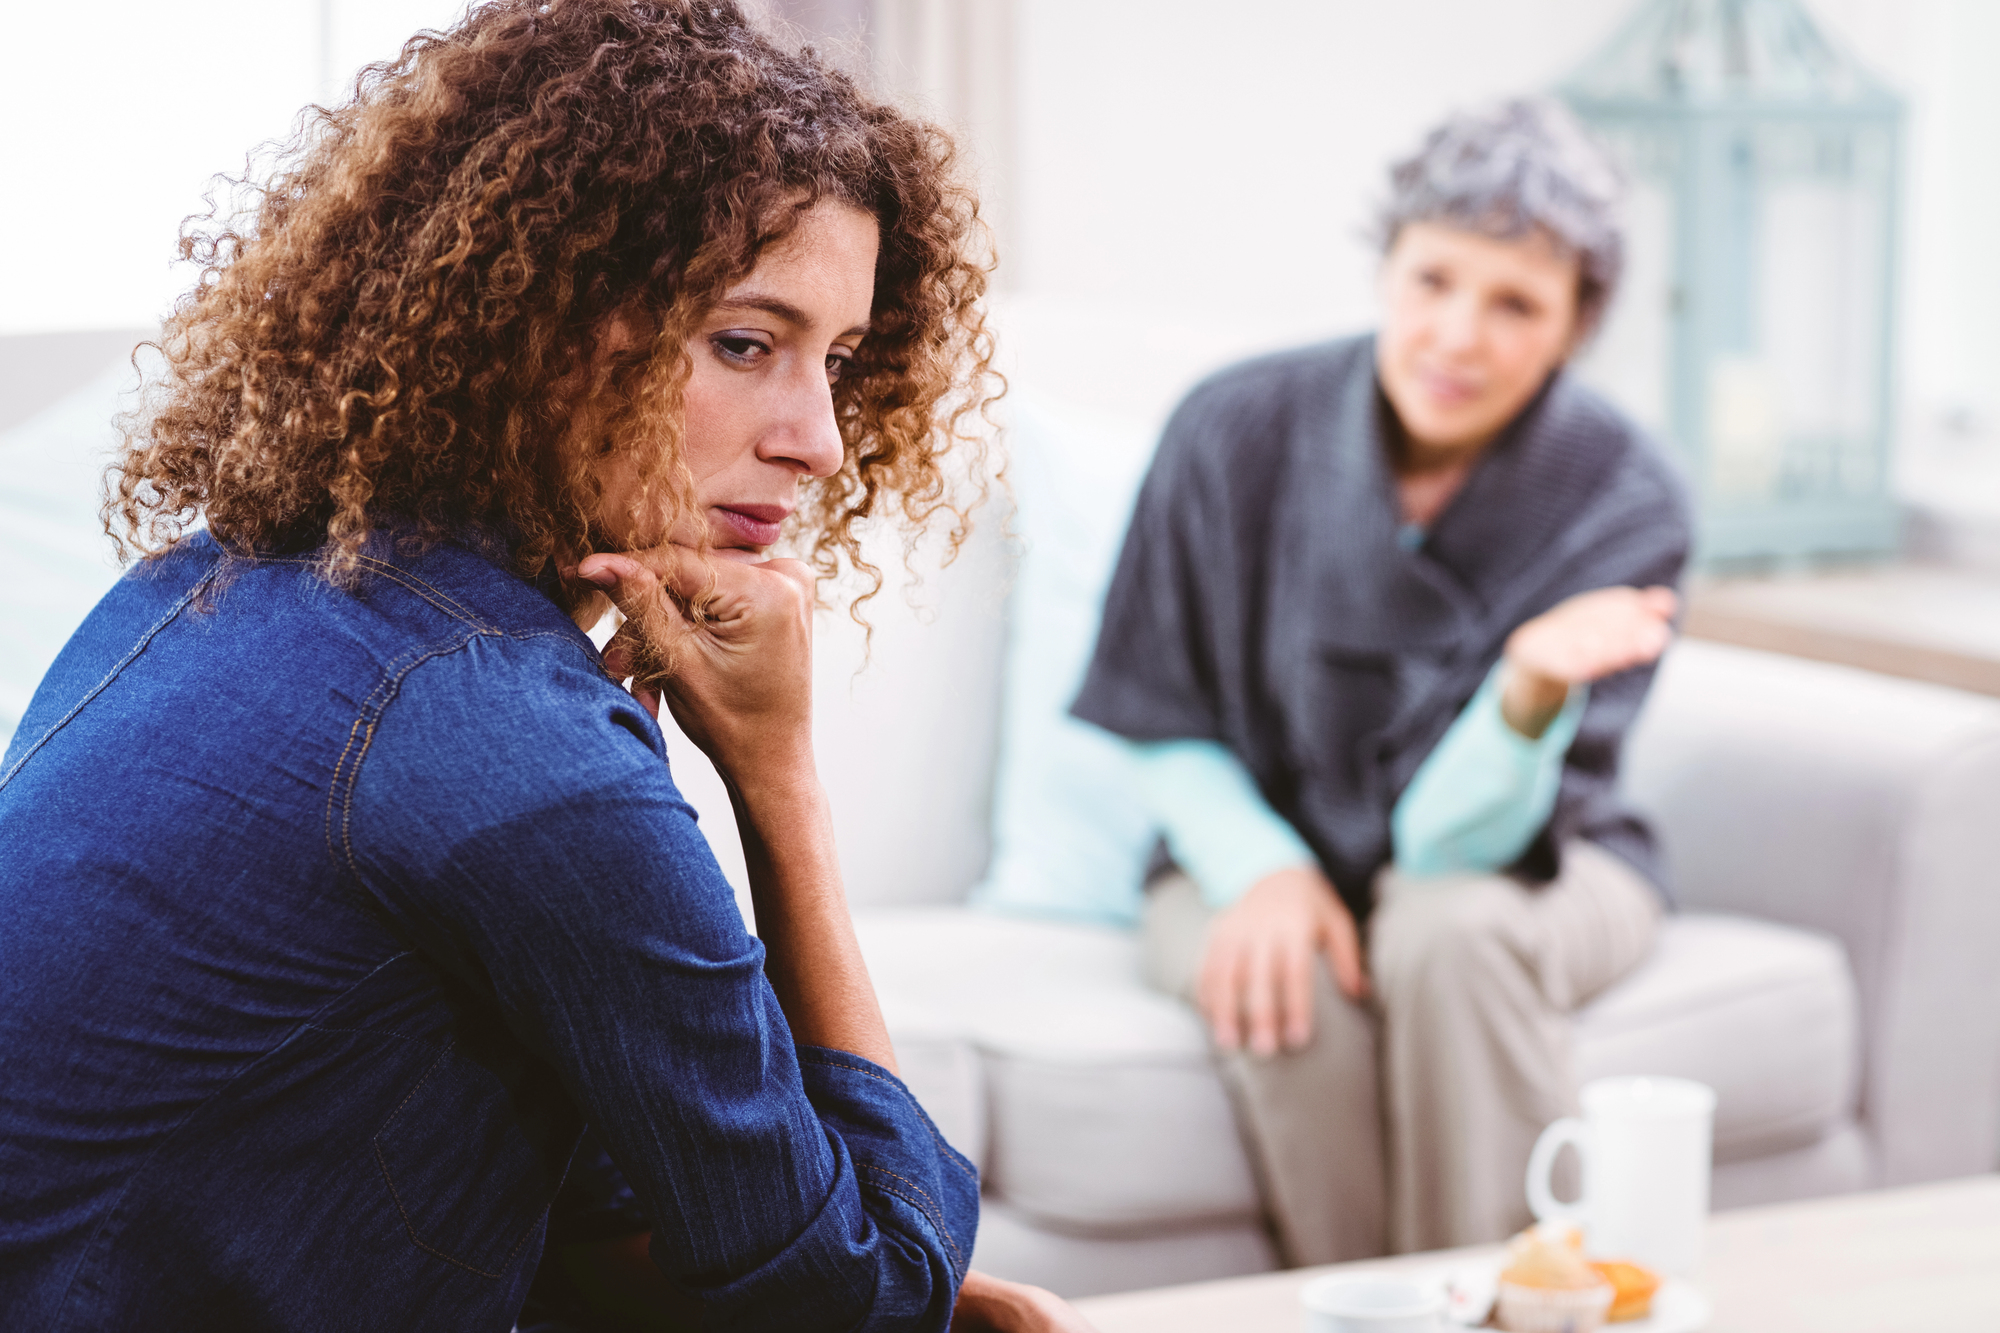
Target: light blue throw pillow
x=1071 y=834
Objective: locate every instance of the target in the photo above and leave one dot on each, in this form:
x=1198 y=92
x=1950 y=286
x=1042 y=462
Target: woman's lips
x=1449 y=390
x=756 y=525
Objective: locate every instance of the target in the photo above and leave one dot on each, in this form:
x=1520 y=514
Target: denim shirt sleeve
x=1218 y=826
x=1480 y=797
x=518 y=822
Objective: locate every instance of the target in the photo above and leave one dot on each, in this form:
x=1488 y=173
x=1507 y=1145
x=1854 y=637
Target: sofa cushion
x=1764 y=1014
x=1104 y=1115
x=1023 y=1249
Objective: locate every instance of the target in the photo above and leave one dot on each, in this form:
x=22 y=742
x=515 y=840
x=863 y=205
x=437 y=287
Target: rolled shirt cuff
x=1483 y=794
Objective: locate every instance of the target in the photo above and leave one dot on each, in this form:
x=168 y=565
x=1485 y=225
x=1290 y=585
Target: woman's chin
x=1450 y=432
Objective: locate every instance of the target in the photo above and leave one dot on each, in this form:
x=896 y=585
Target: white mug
x=1645 y=1144
x=1372 y=1305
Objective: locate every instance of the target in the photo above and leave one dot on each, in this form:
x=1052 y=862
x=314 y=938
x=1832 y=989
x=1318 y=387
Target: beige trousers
x=1406 y=1123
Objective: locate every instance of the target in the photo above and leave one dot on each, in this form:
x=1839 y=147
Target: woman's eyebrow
x=779 y=306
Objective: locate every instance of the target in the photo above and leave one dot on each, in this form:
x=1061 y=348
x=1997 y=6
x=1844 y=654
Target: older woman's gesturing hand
x=1584 y=638
x=741 y=679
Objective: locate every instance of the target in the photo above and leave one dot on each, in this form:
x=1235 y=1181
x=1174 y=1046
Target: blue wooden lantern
x=1755 y=331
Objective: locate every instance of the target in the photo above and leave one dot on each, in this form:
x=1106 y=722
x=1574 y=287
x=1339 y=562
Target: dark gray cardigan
x=1262 y=600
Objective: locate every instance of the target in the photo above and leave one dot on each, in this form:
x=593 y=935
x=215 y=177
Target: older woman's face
x=759 y=397
x=1471 y=328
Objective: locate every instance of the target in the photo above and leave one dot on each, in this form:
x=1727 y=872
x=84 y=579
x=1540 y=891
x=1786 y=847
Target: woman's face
x=1471 y=328
x=759 y=399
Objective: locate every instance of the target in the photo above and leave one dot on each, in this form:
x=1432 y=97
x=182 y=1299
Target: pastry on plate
x=1632 y=1287
x=1548 y=1286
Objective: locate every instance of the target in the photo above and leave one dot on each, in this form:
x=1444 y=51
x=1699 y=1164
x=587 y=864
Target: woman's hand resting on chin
x=740 y=683
x=740 y=686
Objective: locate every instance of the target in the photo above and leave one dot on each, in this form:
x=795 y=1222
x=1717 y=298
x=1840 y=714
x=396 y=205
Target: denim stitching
x=928 y=1209
x=363 y=730
x=145 y=642
x=333 y=784
x=956 y=1258
x=956 y=1158
x=424 y=589
x=396 y=1195
x=445 y=603
x=409 y=581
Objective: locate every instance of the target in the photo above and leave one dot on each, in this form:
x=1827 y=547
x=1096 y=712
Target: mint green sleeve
x=1217 y=824
x=1483 y=794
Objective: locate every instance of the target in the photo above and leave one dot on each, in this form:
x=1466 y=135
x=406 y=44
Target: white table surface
x=1918 y=1260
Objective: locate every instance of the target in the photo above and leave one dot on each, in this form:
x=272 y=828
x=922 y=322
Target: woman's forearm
x=812 y=958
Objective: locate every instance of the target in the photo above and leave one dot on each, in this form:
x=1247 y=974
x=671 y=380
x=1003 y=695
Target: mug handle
x=1542 y=1200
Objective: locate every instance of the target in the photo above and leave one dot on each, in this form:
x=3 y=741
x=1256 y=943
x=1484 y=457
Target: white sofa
x=1835 y=973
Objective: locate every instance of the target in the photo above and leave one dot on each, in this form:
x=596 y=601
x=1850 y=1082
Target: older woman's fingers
x=1341 y=941
x=1261 y=996
x=1220 y=991
x=1295 y=979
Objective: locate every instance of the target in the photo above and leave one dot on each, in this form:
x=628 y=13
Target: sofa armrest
x=1932 y=1096
x=1863 y=807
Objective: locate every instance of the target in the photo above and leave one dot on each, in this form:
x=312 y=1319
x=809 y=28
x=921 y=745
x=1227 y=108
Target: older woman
x=1384 y=614
x=342 y=882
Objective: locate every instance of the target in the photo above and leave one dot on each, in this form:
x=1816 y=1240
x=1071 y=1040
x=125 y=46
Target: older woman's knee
x=1433 y=939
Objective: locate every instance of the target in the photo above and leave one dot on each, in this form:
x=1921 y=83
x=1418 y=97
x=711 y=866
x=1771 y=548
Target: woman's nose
x=808 y=435
x=1458 y=325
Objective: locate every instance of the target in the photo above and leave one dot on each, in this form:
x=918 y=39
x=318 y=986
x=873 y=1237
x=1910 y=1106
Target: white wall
x=1216 y=165
x=1172 y=160
x=114 y=126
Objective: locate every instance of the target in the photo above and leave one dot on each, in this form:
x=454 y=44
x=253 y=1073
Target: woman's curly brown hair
x=410 y=324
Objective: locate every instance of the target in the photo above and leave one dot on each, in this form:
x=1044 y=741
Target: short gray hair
x=1513 y=168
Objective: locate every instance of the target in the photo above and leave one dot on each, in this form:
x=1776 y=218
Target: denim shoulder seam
x=952 y=1155
x=117 y=669
x=588 y=649
x=427 y=590
x=118 y=1202
x=444 y=602
x=362 y=734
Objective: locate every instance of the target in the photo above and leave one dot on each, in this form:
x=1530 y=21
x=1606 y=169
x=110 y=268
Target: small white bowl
x=1372 y=1305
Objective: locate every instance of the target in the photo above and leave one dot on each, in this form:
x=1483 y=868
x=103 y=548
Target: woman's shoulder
x=1640 y=462
x=476 y=668
x=1282 y=378
x=1250 y=410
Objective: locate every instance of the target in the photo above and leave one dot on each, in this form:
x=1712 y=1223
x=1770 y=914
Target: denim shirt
x=328 y=918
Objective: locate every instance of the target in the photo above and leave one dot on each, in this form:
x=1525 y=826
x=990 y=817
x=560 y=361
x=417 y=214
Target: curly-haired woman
x=342 y=883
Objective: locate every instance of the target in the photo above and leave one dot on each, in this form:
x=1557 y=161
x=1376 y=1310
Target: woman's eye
x=739 y=348
x=1519 y=307
x=837 y=365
